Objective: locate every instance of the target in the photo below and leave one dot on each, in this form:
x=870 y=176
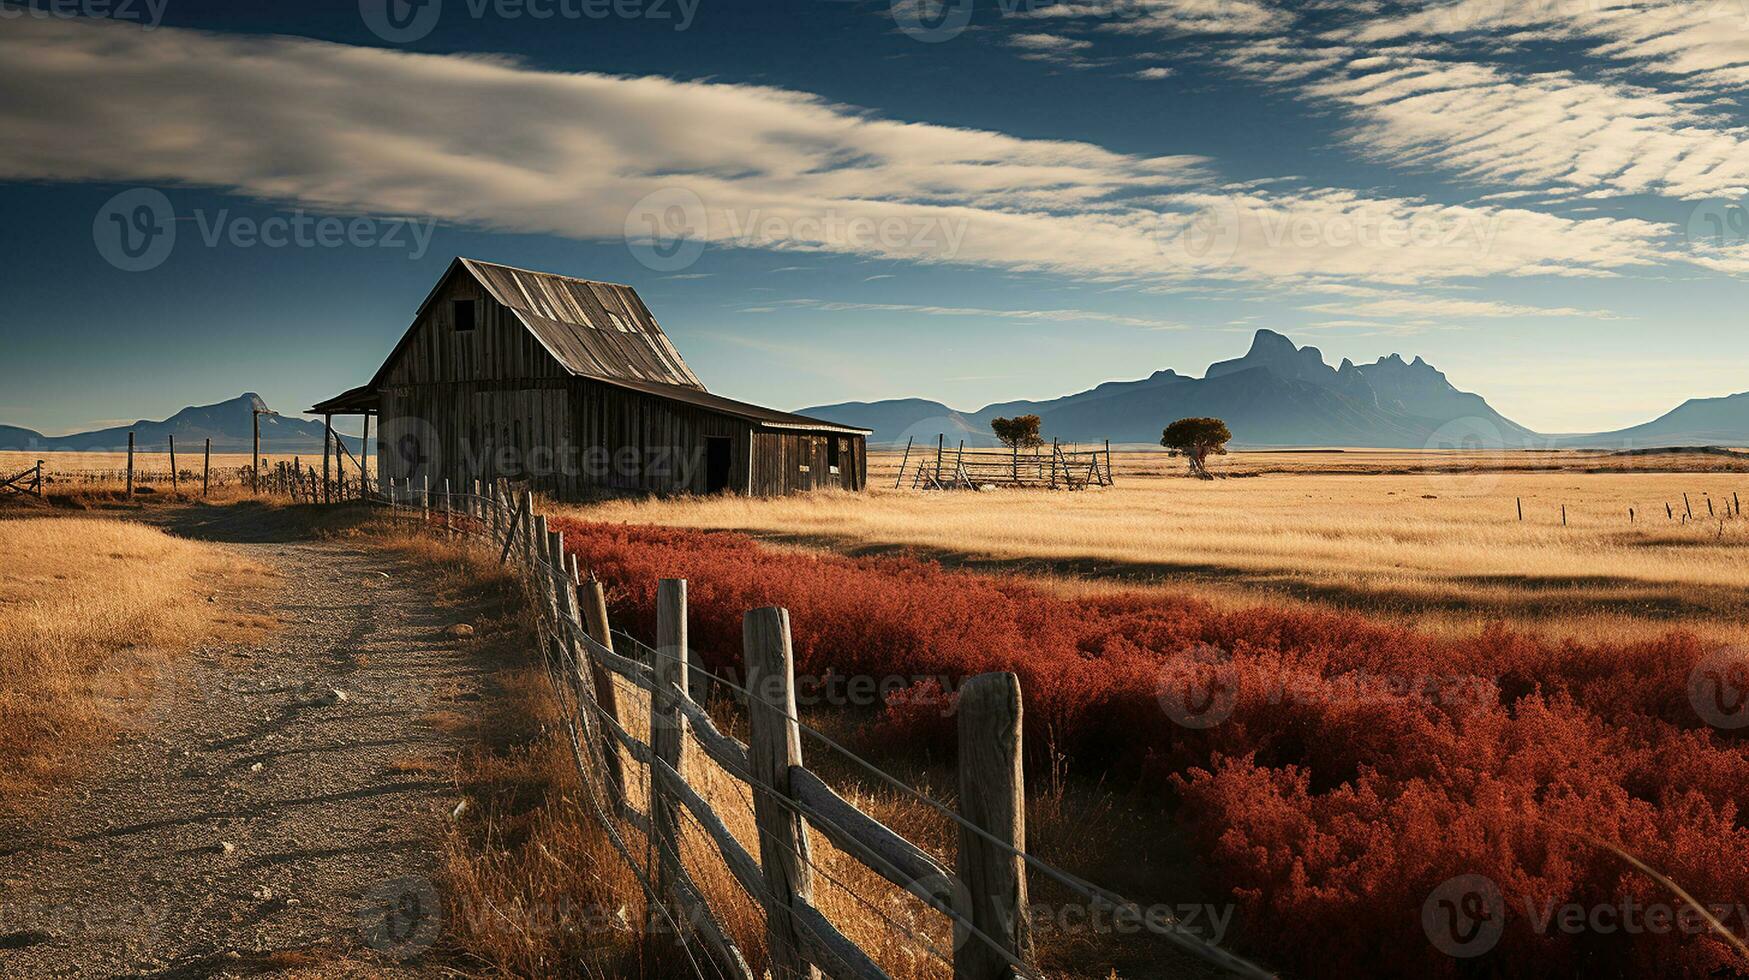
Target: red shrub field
x=1335 y=772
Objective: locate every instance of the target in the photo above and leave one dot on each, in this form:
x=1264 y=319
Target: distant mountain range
x=228 y=424
x=1282 y=395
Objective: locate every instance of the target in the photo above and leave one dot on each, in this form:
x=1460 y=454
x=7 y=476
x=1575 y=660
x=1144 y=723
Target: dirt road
x=278 y=807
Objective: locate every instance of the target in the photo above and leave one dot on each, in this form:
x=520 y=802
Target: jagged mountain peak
x=1277 y=354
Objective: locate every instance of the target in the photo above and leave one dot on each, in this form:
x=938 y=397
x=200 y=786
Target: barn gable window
x=464 y=314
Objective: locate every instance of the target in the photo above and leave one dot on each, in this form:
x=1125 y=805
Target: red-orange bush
x=1352 y=766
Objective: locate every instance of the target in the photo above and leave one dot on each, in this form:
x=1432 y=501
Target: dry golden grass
x=1440 y=547
x=88 y=477
x=90 y=610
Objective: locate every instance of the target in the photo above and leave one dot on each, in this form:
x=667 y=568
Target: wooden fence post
x=174 y=485
x=447 y=527
x=206 y=467
x=775 y=745
x=425 y=497
x=992 y=798
x=130 y=464
x=255 y=461
x=535 y=535
x=667 y=732
x=594 y=601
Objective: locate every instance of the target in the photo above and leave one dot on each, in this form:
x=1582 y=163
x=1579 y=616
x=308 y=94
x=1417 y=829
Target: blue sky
x=858 y=199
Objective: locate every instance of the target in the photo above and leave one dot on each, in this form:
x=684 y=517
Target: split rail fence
x=1054 y=466
x=983 y=897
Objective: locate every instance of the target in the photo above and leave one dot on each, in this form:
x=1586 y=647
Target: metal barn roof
x=595 y=329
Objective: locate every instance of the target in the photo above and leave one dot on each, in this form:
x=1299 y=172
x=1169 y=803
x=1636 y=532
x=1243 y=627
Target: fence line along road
x=983 y=897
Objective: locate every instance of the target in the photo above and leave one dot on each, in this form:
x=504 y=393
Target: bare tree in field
x=1196 y=440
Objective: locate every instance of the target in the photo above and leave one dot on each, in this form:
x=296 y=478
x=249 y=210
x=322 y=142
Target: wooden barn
x=572 y=387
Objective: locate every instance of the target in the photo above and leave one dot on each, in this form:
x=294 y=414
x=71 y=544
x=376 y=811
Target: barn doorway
x=716 y=464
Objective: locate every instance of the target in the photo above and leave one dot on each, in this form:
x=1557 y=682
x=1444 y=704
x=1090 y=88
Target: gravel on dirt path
x=275 y=807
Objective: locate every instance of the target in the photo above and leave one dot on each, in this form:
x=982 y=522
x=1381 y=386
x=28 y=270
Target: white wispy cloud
x=1703 y=41
x=1542 y=130
x=1052 y=48
x=487 y=142
x=1166 y=16
x=1430 y=308
x=1053 y=316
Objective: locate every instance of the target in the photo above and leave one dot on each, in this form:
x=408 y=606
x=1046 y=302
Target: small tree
x=1195 y=440
x=1020 y=432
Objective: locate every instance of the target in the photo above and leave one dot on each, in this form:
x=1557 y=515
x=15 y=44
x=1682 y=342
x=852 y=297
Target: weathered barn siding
x=785 y=462
x=518 y=396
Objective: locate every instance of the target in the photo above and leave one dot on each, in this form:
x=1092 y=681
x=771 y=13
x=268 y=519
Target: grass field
x=90 y=612
x=1429 y=540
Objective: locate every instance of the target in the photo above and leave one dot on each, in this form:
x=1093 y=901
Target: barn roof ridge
x=469 y=260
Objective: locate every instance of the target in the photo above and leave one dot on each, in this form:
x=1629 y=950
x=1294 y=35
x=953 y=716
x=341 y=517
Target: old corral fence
x=26 y=482
x=974 y=469
x=984 y=896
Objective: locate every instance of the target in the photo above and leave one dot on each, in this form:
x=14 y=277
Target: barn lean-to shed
x=571 y=386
